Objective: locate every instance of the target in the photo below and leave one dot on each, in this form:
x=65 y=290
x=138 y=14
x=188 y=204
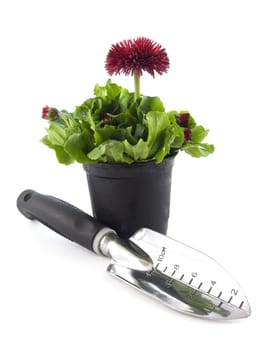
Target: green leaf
x=113 y=90
x=139 y=131
x=100 y=91
x=198 y=134
x=139 y=151
x=124 y=99
x=111 y=98
x=198 y=150
x=158 y=122
x=114 y=151
x=165 y=149
x=124 y=119
x=172 y=116
x=65 y=114
x=97 y=152
x=91 y=122
x=56 y=134
x=118 y=134
x=103 y=134
x=191 y=122
x=46 y=142
x=148 y=104
x=96 y=107
x=129 y=136
x=78 y=145
x=81 y=113
x=178 y=140
x=178 y=135
x=110 y=151
x=62 y=156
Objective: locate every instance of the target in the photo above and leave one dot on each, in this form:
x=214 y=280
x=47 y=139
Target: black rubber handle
x=61 y=217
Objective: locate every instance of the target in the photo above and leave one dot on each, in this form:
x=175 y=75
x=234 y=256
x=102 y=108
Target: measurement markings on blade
x=176 y=268
x=162 y=254
x=230 y=299
x=182 y=277
x=242 y=303
x=191 y=294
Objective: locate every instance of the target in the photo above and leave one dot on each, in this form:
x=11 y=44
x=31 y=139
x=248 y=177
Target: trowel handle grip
x=61 y=217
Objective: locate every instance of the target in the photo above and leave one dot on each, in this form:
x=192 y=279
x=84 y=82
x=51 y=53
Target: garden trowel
x=179 y=276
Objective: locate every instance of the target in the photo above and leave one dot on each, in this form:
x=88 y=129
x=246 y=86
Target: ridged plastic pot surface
x=127 y=197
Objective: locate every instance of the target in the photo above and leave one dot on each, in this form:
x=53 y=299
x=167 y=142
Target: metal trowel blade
x=179 y=276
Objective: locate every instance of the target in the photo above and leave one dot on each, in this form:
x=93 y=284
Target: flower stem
x=136 y=86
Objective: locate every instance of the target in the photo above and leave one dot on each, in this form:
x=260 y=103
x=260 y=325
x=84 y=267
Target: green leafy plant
x=118 y=126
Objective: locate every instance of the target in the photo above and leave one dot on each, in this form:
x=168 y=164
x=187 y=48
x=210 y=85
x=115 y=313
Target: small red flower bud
x=45 y=111
x=50 y=113
x=183 y=119
x=187 y=134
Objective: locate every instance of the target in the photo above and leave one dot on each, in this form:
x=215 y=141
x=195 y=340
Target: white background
x=56 y=295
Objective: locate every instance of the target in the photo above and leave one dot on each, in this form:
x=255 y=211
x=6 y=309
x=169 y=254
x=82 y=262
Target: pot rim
x=139 y=164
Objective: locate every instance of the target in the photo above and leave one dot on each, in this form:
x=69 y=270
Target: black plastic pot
x=128 y=197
